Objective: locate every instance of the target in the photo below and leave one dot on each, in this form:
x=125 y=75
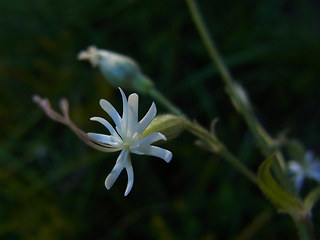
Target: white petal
x=147 y=119
x=106 y=139
x=299 y=179
x=315 y=166
x=309 y=156
x=114 y=174
x=155 y=151
x=106 y=106
x=146 y=141
x=122 y=134
x=314 y=171
x=106 y=124
x=294 y=167
x=129 y=170
x=133 y=102
x=124 y=120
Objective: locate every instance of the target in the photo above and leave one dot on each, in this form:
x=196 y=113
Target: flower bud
x=118 y=70
x=169 y=125
x=239 y=97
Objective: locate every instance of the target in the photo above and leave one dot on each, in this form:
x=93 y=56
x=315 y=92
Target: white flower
x=127 y=137
x=310 y=168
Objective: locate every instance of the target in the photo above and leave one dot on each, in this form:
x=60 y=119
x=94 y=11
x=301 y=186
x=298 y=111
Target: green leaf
x=312 y=198
x=284 y=201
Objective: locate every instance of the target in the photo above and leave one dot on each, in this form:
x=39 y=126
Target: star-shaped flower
x=128 y=137
x=309 y=168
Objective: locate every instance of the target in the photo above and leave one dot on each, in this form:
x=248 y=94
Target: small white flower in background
x=127 y=137
x=310 y=168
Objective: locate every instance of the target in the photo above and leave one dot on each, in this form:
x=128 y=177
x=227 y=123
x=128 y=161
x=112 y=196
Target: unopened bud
x=239 y=97
x=118 y=70
x=169 y=125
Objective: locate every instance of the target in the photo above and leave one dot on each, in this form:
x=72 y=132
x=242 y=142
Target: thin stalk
x=228 y=156
x=218 y=147
x=264 y=140
x=210 y=139
x=165 y=102
x=304 y=228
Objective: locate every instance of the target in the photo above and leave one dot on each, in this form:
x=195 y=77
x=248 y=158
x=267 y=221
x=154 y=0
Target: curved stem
x=208 y=41
x=264 y=140
x=215 y=145
x=304 y=227
x=236 y=94
x=164 y=101
x=226 y=154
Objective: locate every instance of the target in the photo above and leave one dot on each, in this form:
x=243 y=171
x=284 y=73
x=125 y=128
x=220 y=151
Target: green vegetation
x=52 y=184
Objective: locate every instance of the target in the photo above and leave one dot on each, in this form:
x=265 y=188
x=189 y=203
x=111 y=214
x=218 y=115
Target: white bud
x=118 y=70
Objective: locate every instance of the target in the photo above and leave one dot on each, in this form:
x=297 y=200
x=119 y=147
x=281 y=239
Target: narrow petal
x=114 y=174
x=129 y=170
x=294 y=167
x=106 y=106
x=309 y=156
x=133 y=102
x=314 y=171
x=148 y=140
x=155 y=151
x=147 y=119
x=124 y=120
x=106 y=139
x=298 y=181
x=106 y=124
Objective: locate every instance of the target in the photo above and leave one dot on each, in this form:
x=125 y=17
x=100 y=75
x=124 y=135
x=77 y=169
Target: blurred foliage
x=52 y=185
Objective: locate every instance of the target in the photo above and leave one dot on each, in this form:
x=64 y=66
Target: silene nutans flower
x=308 y=168
x=127 y=137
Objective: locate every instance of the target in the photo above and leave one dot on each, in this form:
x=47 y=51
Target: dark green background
x=52 y=185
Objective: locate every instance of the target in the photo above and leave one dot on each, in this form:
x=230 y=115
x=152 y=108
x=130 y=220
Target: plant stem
x=227 y=155
x=304 y=227
x=218 y=147
x=213 y=143
x=264 y=140
x=164 y=101
x=266 y=143
x=241 y=103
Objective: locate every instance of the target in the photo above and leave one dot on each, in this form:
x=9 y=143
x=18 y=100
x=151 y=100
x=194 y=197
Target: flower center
x=126 y=145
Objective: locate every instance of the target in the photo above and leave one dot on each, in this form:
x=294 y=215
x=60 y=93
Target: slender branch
x=237 y=95
x=264 y=140
x=241 y=103
x=304 y=227
x=208 y=41
x=164 y=101
x=215 y=145
x=65 y=119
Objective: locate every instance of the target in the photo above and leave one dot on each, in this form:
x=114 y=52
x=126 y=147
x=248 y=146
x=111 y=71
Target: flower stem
x=304 y=228
x=227 y=155
x=164 y=101
x=266 y=144
x=264 y=140
x=216 y=146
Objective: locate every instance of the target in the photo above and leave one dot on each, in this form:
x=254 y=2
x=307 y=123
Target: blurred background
x=52 y=184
